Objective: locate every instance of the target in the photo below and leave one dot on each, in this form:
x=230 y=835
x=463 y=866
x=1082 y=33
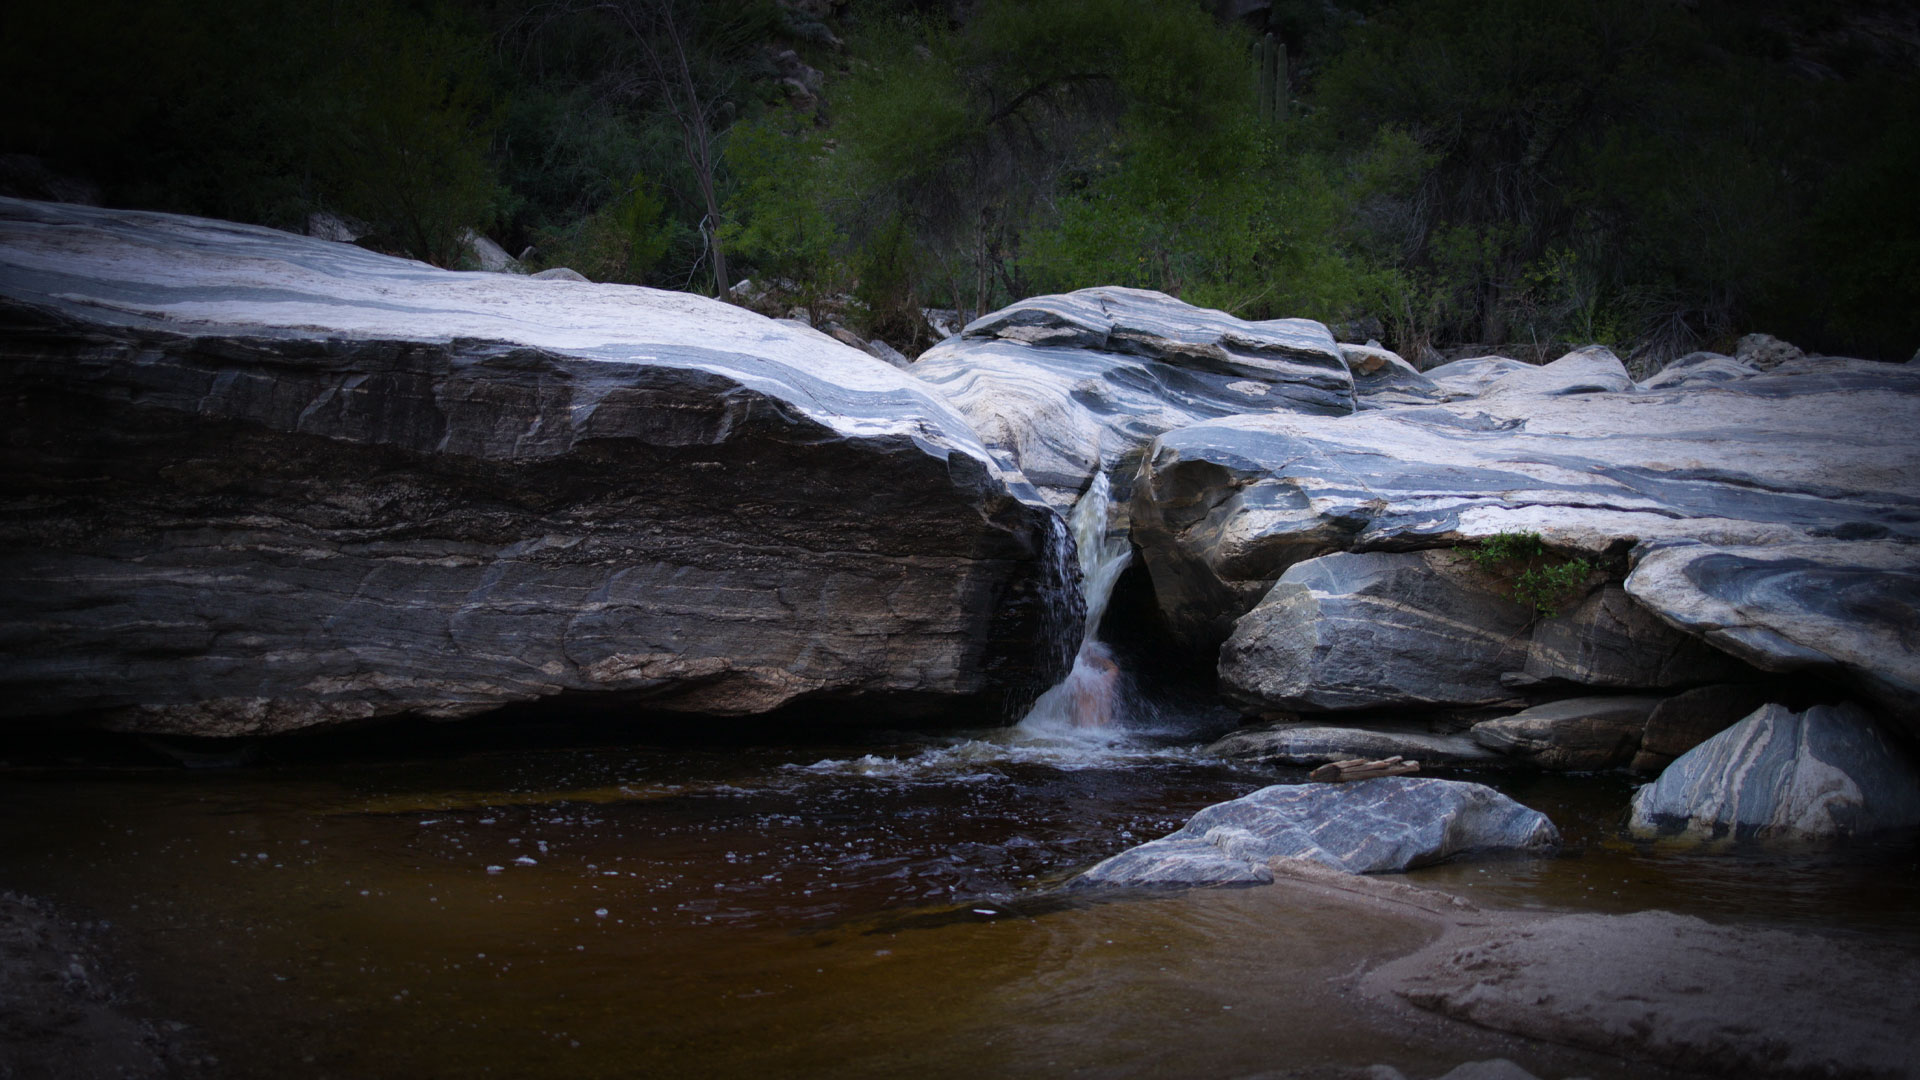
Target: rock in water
x=1314 y=744
x=1828 y=773
x=1370 y=826
x=259 y=482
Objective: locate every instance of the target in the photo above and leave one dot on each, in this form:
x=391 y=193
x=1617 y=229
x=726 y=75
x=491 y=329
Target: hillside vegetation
x=1650 y=174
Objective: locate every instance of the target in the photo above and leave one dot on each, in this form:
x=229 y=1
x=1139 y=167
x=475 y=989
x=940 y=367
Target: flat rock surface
x=258 y=482
x=1828 y=773
x=1676 y=991
x=1064 y=384
x=1368 y=826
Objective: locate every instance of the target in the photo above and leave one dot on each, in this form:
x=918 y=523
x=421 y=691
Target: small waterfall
x=1093 y=697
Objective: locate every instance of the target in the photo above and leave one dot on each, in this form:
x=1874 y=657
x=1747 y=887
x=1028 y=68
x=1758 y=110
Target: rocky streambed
x=275 y=503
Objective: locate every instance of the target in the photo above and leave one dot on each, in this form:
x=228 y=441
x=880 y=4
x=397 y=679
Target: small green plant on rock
x=1540 y=579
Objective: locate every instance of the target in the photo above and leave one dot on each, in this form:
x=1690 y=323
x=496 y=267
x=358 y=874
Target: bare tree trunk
x=660 y=37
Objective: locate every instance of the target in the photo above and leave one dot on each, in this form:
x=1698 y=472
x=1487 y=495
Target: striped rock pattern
x=1369 y=826
x=1222 y=508
x=1062 y=385
x=259 y=482
x=1824 y=774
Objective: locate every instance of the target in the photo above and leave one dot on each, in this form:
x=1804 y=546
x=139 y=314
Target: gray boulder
x=1839 y=609
x=1369 y=826
x=1366 y=631
x=1062 y=385
x=1432 y=628
x=559 y=273
x=487 y=255
x=260 y=482
x=1316 y=744
x=1828 y=773
x=1583 y=734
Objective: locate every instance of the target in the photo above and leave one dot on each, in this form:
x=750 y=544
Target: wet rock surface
x=1828 y=773
x=1369 y=826
x=1676 y=991
x=259 y=482
x=1065 y=384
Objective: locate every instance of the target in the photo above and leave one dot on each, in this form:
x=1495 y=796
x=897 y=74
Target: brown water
x=875 y=909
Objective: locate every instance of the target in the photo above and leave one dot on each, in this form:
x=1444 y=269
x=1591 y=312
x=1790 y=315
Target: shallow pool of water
x=876 y=906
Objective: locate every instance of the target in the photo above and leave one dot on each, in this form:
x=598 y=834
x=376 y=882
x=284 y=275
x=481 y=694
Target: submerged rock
x=1573 y=735
x=260 y=482
x=1064 y=384
x=1369 y=826
x=1316 y=744
x=1828 y=773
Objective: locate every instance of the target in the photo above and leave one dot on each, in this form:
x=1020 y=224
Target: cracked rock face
x=1062 y=385
x=258 y=482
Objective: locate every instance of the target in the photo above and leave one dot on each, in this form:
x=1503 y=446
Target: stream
x=586 y=900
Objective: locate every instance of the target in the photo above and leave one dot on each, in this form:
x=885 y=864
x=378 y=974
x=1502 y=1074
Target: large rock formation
x=1063 y=385
x=257 y=482
x=1434 y=628
x=1369 y=826
x=1815 y=454
x=1824 y=774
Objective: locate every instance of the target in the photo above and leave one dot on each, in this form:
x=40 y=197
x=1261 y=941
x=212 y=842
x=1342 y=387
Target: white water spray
x=1092 y=697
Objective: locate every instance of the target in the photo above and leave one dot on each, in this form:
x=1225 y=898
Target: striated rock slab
x=259 y=482
x=1373 y=630
x=1610 y=641
x=1573 y=735
x=1828 y=773
x=1431 y=628
x=1063 y=385
x=1222 y=508
x=1369 y=826
x=1846 y=610
x=1676 y=991
x=1314 y=744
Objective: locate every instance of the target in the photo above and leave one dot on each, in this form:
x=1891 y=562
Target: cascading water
x=1093 y=697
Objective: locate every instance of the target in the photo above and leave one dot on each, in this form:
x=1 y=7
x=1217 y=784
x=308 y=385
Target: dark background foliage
x=1657 y=175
